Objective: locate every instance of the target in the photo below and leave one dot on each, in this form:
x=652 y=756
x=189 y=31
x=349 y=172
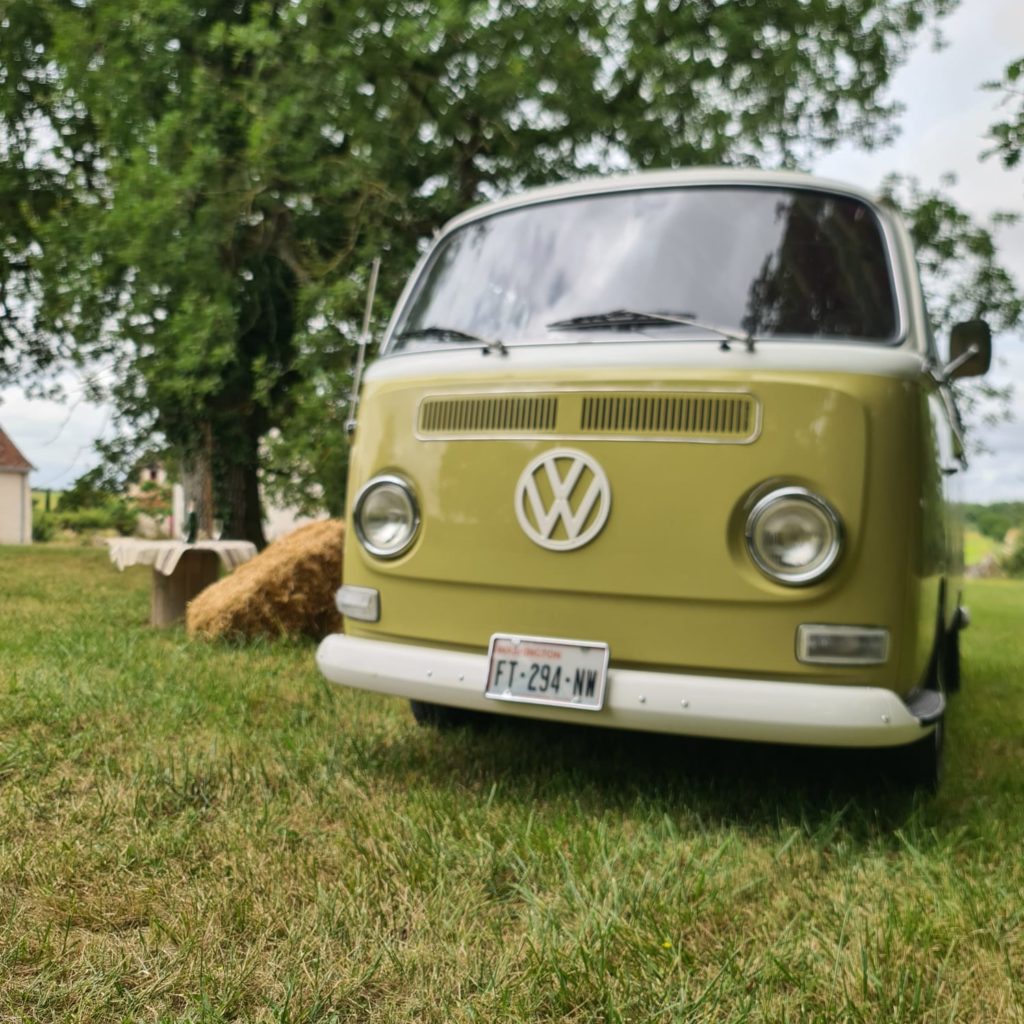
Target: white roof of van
x=661 y=179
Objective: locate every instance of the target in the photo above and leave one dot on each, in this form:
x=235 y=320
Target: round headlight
x=793 y=536
x=386 y=517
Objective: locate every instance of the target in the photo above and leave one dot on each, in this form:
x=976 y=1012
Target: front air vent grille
x=489 y=414
x=696 y=415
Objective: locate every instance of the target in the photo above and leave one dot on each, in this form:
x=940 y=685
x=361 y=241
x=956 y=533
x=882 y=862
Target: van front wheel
x=950 y=655
x=919 y=765
x=440 y=716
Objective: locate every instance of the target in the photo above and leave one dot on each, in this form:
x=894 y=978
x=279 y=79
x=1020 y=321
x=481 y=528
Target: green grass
x=977 y=546
x=206 y=832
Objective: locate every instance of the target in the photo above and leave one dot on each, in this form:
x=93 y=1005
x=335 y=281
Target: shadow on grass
x=713 y=782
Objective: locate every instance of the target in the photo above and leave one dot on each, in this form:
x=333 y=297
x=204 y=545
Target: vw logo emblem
x=562 y=499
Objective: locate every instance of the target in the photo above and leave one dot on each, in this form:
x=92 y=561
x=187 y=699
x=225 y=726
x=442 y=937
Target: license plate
x=539 y=670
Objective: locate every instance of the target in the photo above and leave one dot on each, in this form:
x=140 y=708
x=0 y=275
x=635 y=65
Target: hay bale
x=286 y=589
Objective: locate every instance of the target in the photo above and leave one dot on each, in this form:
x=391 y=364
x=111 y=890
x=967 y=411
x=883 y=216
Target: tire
x=950 y=660
x=919 y=765
x=440 y=716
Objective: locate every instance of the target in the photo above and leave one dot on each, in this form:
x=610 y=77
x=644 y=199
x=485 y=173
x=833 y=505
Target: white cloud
x=56 y=438
x=999 y=474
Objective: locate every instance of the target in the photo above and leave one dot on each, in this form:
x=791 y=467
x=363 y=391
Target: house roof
x=10 y=457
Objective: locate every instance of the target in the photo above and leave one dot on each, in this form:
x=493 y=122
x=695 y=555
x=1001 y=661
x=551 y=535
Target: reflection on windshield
x=774 y=262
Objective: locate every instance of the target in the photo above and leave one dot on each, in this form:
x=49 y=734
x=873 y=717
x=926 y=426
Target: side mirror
x=970 y=350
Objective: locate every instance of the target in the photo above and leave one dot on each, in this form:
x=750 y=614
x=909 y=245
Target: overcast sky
x=943 y=131
x=943 y=128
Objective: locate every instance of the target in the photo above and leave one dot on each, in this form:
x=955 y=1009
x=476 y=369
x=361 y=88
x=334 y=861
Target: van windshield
x=769 y=262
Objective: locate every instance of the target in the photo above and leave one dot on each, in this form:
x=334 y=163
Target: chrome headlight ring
x=797 y=499
x=404 y=514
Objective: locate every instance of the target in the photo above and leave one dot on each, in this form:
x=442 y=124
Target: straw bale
x=286 y=589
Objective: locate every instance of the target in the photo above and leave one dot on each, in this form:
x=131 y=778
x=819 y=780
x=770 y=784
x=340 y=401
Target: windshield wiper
x=632 y=318
x=435 y=331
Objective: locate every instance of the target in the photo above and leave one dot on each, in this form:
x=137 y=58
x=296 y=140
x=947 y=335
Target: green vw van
x=672 y=452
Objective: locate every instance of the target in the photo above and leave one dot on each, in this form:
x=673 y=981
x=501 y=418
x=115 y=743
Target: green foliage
x=92 y=489
x=959 y=259
x=996 y=519
x=306 y=464
x=84 y=519
x=96 y=500
x=124 y=517
x=45 y=500
x=44 y=525
x=1013 y=563
x=116 y=514
x=192 y=193
x=1008 y=134
x=153 y=498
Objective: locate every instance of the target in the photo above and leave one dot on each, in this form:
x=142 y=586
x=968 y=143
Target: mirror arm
x=968 y=354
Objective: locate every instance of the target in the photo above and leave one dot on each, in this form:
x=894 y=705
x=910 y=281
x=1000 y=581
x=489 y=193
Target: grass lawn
x=202 y=832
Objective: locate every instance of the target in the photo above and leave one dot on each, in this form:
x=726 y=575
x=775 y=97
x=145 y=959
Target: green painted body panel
x=668 y=582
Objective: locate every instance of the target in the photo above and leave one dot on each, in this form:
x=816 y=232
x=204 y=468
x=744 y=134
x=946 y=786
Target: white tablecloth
x=164 y=555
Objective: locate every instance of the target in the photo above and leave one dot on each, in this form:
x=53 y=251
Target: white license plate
x=539 y=670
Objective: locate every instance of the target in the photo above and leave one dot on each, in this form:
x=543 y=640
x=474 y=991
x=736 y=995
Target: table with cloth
x=180 y=570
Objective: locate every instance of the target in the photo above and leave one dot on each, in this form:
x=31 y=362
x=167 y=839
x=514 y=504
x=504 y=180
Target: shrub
x=44 y=525
x=93 y=503
x=1013 y=563
x=91 y=490
x=115 y=514
x=85 y=519
x=124 y=517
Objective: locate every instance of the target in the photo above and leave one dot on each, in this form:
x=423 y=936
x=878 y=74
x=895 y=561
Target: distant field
x=208 y=833
x=977 y=546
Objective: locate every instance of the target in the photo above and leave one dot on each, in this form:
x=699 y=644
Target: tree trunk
x=197 y=482
x=209 y=505
x=242 y=511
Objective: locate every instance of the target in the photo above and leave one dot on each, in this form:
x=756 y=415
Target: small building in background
x=15 y=494
x=152 y=494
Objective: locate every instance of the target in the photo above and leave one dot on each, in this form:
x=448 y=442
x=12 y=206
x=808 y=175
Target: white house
x=15 y=494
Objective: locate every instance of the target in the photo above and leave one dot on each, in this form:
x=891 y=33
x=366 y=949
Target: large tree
x=192 y=192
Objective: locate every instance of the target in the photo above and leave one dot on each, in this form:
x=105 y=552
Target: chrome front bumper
x=691 y=705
